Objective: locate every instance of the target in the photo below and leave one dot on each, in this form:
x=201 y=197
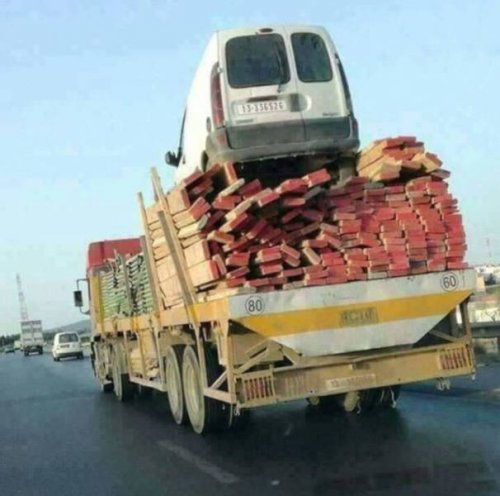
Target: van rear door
x=260 y=91
x=324 y=99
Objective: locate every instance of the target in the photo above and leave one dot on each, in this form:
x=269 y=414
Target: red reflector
x=216 y=97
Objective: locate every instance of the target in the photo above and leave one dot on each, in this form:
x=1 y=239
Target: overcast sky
x=92 y=92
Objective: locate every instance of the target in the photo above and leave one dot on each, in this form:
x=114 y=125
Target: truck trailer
x=221 y=353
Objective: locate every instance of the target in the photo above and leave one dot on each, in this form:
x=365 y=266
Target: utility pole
x=488 y=245
x=22 y=300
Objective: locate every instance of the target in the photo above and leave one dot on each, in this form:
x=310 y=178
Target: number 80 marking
x=254 y=305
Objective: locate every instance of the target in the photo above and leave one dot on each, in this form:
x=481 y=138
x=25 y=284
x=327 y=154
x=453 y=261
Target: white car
x=66 y=344
x=265 y=93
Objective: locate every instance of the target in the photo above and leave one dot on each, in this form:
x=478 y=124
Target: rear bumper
x=69 y=354
x=415 y=365
x=30 y=348
x=263 y=141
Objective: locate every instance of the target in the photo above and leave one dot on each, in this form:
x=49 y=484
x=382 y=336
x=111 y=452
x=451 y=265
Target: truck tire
x=205 y=414
x=107 y=387
x=175 y=389
x=378 y=398
x=336 y=403
x=123 y=388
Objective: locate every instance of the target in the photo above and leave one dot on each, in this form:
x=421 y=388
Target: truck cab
x=266 y=93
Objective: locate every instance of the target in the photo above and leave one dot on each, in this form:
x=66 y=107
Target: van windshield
x=257 y=60
x=311 y=58
x=68 y=338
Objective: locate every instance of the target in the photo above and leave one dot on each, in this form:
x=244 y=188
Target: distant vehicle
x=267 y=93
x=66 y=345
x=9 y=349
x=32 y=337
x=17 y=344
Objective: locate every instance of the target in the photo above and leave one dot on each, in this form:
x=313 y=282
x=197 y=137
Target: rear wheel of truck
x=378 y=398
x=345 y=402
x=175 y=390
x=205 y=414
x=106 y=387
x=124 y=389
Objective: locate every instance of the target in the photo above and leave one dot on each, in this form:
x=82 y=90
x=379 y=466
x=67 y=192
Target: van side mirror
x=171 y=159
x=78 y=298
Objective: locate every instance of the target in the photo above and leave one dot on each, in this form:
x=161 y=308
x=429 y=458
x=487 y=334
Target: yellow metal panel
x=366 y=313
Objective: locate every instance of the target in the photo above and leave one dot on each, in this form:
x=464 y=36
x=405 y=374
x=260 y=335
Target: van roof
x=246 y=29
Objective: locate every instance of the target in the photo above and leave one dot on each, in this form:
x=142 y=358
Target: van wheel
x=124 y=389
x=205 y=414
x=175 y=390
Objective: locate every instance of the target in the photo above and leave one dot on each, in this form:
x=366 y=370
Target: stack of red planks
x=391 y=158
x=240 y=235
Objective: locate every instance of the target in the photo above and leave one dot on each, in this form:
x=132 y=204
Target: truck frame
x=348 y=345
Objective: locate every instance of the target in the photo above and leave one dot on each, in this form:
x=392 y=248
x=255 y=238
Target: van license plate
x=262 y=107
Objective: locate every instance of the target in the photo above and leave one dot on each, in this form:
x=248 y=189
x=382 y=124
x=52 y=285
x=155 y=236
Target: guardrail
x=485 y=329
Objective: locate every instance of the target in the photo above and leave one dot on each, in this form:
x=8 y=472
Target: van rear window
x=311 y=58
x=257 y=60
x=68 y=338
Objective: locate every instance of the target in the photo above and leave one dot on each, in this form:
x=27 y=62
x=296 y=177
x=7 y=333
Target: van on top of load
x=263 y=93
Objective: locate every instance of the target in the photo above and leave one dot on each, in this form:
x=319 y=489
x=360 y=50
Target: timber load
x=238 y=234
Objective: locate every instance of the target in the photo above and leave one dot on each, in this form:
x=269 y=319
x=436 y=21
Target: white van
x=261 y=93
x=66 y=344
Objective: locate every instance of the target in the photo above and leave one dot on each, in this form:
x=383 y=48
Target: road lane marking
x=217 y=473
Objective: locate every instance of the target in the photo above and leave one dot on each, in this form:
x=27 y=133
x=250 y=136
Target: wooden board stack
x=242 y=236
x=115 y=296
x=392 y=158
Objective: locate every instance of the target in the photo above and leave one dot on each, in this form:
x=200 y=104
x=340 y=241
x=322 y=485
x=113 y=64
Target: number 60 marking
x=449 y=282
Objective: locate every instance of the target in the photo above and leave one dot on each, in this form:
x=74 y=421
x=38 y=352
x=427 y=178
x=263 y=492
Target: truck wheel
x=175 y=391
x=344 y=402
x=124 y=389
x=379 y=398
x=387 y=397
x=205 y=414
x=106 y=387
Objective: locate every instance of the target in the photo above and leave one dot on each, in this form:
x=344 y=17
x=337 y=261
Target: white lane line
x=217 y=473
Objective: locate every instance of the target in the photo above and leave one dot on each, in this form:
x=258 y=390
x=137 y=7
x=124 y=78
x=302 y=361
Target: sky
x=92 y=94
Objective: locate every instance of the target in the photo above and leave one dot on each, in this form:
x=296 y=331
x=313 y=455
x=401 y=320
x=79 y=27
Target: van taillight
x=216 y=97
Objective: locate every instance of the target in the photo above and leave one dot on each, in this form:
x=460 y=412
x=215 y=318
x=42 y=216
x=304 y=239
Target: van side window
x=311 y=58
x=257 y=60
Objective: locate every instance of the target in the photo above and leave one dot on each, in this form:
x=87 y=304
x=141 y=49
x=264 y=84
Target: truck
x=31 y=337
x=212 y=306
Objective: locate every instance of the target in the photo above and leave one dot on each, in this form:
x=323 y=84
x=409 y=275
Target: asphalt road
x=59 y=435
